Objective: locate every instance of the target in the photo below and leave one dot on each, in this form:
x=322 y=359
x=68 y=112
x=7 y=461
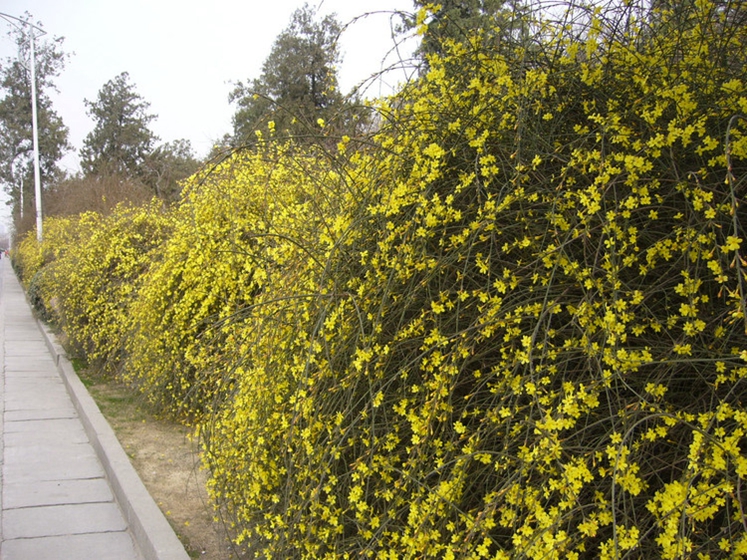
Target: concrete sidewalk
x=69 y=491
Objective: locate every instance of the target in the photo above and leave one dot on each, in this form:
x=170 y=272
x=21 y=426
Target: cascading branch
x=510 y=325
x=535 y=344
x=247 y=230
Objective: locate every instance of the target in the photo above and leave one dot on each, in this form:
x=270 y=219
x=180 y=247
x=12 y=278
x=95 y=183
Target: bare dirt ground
x=168 y=462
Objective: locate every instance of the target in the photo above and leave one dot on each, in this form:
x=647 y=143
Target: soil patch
x=168 y=462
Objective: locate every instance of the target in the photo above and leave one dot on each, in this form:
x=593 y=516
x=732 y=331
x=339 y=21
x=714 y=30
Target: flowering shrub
x=91 y=268
x=243 y=238
x=512 y=325
x=30 y=256
x=535 y=346
x=31 y=260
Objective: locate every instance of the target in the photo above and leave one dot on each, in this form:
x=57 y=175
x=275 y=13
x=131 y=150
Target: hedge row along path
x=507 y=323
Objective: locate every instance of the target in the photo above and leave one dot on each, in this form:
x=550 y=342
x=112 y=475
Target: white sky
x=183 y=55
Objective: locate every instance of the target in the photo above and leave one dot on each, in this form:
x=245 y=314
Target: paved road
x=57 y=499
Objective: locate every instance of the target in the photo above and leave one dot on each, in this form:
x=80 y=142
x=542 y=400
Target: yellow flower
x=732 y=243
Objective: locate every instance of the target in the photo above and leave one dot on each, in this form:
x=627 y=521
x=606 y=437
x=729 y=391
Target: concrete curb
x=155 y=538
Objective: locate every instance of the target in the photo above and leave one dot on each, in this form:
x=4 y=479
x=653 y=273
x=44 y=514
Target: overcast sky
x=183 y=55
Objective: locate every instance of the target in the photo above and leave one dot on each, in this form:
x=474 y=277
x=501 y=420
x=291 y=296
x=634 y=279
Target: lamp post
x=34 y=122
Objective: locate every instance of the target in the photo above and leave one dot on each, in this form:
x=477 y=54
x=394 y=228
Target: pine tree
x=120 y=142
x=298 y=85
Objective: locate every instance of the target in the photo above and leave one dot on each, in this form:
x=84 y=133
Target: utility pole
x=34 y=123
x=35 y=126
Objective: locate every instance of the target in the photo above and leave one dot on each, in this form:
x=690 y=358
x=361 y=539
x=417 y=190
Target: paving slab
x=51 y=429
x=23 y=348
x=70 y=467
x=56 y=492
x=96 y=546
x=56 y=413
x=26 y=398
x=41 y=366
x=68 y=519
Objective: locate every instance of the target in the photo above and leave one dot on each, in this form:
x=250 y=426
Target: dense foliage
x=457 y=20
x=510 y=325
x=298 y=88
x=121 y=138
x=248 y=226
x=89 y=266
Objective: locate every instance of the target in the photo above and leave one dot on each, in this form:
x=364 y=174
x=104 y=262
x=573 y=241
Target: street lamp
x=34 y=122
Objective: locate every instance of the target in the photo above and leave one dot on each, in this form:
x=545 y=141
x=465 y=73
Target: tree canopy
x=120 y=142
x=298 y=85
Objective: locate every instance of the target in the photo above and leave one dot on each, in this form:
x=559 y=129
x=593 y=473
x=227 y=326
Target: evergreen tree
x=298 y=85
x=120 y=142
x=16 y=130
x=499 y=21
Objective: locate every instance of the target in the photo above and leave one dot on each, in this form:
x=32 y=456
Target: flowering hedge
x=30 y=257
x=511 y=325
x=246 y=234
x=89 y=268
x=541 y=350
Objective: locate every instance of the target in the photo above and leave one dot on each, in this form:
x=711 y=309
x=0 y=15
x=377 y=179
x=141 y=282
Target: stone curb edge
x=154 y=535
